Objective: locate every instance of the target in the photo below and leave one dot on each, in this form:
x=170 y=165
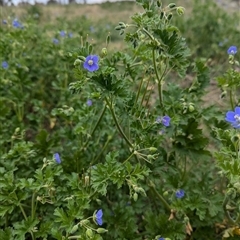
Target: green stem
x=104 y=147
x=148 y=98
x=25 y=216
x=117 y=124
x=226 y=211
x=160 y=197
x=185 y=168
x=95 y=127
x=33 y=205
x=158 y=79
x=143 y=97
x=151 y=36
x=6 y=220
x=138 y=93
x=128 y=157
x=231 y=99
x=23 y=212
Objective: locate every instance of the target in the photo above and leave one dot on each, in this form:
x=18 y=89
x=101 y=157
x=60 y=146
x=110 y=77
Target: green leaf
x=6 y=234
x=25 y=226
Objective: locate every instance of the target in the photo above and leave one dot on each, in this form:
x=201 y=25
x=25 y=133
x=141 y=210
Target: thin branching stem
x=117 y=123
x=159 y=196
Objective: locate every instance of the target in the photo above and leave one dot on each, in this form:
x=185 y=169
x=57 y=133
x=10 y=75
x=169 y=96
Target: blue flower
x=4 y=65
x=232 y=50
x=164 y=120
x=62 y=33
x=57 y=158
x=234 y=117
x=70 y=35
x=161 y=238
x=180 y=193
x=92 y=29
x=98 y=216
x=55 y=41
x=91 y=63
x=16 y=24
x=4 y=21
x=89 y=102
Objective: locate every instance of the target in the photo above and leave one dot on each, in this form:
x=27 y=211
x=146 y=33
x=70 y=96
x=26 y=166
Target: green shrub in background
x=209 y=30
x=100 y=145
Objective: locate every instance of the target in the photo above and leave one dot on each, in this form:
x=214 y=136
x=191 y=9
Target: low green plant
x=101 y=145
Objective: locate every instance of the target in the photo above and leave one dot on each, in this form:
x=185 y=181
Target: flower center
x=90 y=62
x=237 y=118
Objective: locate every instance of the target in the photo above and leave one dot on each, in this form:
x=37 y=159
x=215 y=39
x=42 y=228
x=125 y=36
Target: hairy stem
x=159 y=80
x=159 y=196
x=117 y=123
x=231 y=99
x=95 y=127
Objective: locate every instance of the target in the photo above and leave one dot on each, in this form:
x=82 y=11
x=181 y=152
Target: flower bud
x=169 y=17
x=142 y=191
x=162 y=15
x=191 y=108
x=104 y=52
x=17 y=130
x=165 y=194
x=122 y=24
x=90 y=48
x=77 y=62
x=74 y=229
x=159 y=3
x=223 y=94
x=135 y=197
x=101 y=230
x=171 y=5
x=108 y=39
x=180 y=11
x=152 y=149
x=86 y=181
x=118 y=28
x=121 y=32
x=89 y=233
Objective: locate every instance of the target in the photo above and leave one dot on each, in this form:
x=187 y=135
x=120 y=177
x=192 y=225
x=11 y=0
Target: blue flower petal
x=236 y=124
x=232 y=50
x=57 y=158
x=180 y=193
x=91 y=63
x=166 y=121
x=99 y=221
x=99 y=213
x=237 y=110
x=98 y=216
x=88 y=58
x=95 y=58
x=230 y=116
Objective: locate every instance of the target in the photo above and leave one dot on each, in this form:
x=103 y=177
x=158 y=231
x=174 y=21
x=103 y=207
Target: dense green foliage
x=135 y=137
